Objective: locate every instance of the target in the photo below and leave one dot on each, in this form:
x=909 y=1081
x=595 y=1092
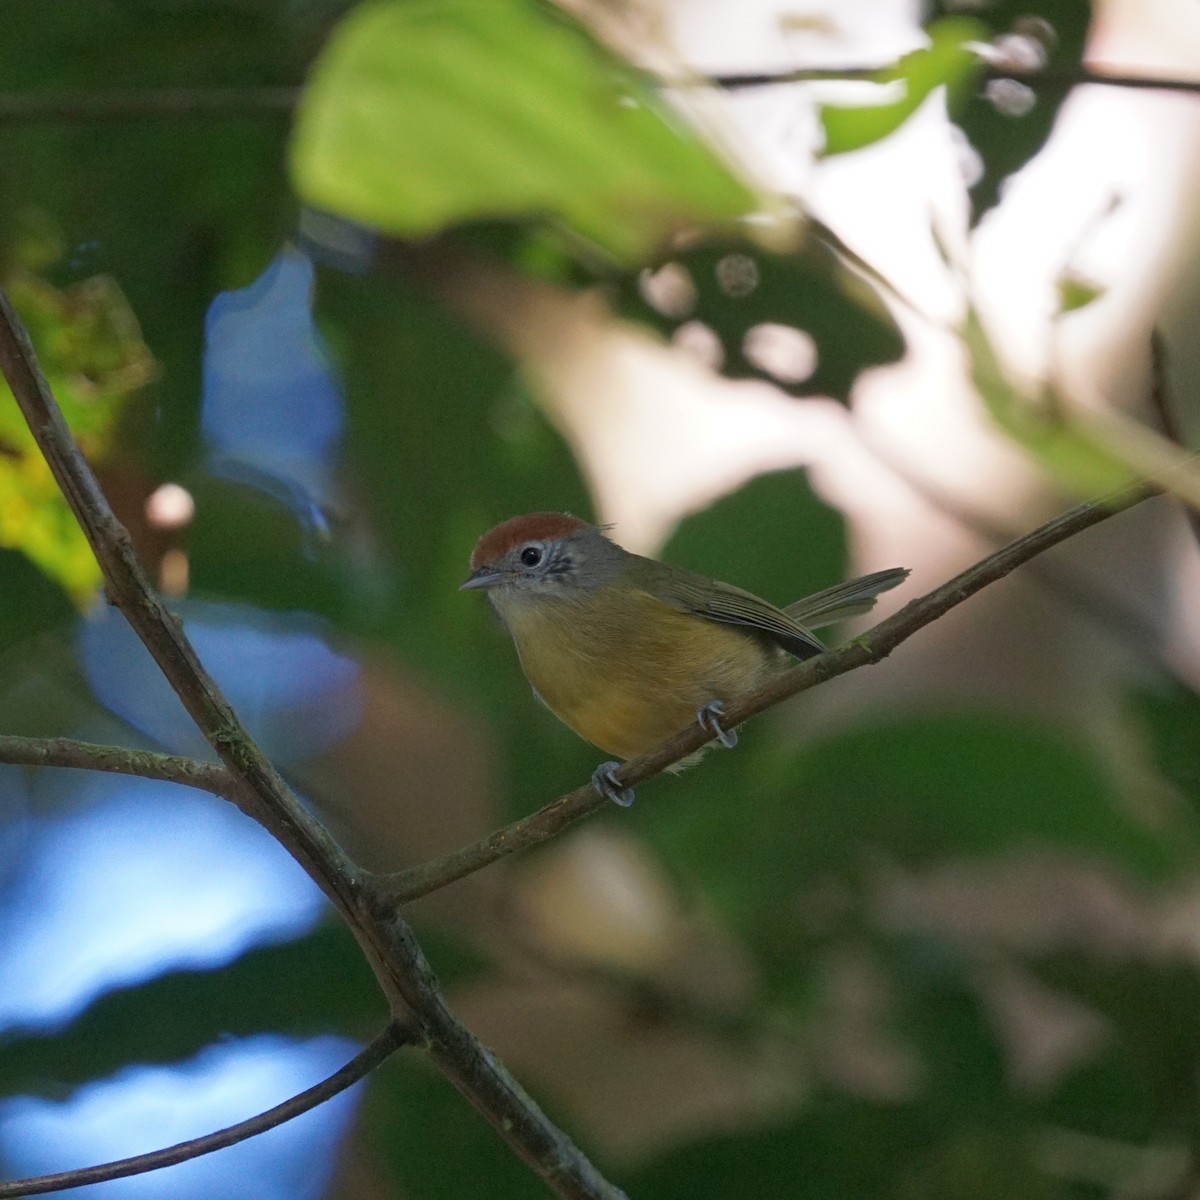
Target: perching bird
x=626 y=650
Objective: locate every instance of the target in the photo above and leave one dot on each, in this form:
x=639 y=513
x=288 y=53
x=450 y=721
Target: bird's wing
x=730 y=605
x=843 y=600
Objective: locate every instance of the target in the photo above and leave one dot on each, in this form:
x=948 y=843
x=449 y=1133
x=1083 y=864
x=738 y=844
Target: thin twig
x=386 y=940
x=873 y=646
x=117 y=760
x=379 y=1048
x=1038 y=78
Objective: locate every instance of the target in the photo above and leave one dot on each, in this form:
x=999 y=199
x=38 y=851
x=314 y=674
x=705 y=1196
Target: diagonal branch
x=871 y=647
x=380 y=1047
x=386 y=940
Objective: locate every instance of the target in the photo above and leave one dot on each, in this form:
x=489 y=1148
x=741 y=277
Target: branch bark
x=117 y=760
x=403 y=972
x=1050 y=78
x=872 y=647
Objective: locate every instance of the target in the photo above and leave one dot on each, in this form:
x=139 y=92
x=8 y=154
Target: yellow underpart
x=624 y=670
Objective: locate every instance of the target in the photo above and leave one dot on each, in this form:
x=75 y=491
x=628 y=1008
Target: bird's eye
x=531 y=556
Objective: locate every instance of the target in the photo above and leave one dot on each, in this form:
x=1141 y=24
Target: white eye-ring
x=531 y=555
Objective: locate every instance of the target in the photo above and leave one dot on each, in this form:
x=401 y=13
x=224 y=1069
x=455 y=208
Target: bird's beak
x=485 y=577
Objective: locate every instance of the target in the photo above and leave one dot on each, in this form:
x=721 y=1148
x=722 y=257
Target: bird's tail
x=843 y=600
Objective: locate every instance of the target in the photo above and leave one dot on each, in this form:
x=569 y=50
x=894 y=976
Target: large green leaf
x=772 y=536
x=1169 y=717
x=761 y=828
x=431 y=113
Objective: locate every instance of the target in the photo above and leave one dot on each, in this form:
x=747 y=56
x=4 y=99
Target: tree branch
x=873 y=646
x=117 y=760
x=379 y=1048
x=1038 y=78
x=386 y=940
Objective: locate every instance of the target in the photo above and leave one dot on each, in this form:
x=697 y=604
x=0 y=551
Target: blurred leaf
x=429 y=113
x=739 y=289
x=772 y=536
x=30 y=602
x=1076 y=460
x=411 y=1115
x=277 y=560
x=761 y=834
x=1007 y=141
x=1170 y=720
x=948 y=61
x=1143 y=1082
x=840 y=1149
x=1075 y=293
x=92 y=354
x=313 y=984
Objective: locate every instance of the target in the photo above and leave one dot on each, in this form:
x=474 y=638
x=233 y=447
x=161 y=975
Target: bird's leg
x=606 y=784
x=709 y=717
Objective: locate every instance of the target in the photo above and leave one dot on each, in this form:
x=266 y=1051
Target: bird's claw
x=709 y=717
x=605 y=782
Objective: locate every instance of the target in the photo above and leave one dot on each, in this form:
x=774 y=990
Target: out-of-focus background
x=934 y=929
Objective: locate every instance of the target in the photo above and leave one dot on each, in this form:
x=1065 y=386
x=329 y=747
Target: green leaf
x=1076 y=460
x=431 y=113
x=1170 y=720
x=946 y=62
x=94 y=359
x=410 y=1115
x=738 y=290
x=843 y=1149
x=1075 y=293
x=1142 y=1080
x=772 y=536
x=30 y=602
x=760 y=828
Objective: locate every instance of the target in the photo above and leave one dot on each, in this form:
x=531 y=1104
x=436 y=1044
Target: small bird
x=627 y=650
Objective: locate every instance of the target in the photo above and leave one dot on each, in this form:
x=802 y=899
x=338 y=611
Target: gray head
x=547 y=554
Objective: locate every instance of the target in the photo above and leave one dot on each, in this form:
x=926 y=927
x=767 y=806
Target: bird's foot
x=604 y=781
x=710 y=721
